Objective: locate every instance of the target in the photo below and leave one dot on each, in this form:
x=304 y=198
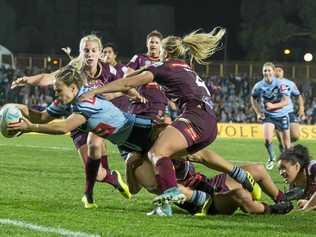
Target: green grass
x=43 y=186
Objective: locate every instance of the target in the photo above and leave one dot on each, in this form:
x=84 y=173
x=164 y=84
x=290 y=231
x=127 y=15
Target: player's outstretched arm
x=44 y=79
x=121 y=85
x=308 y=205
x=56 y=127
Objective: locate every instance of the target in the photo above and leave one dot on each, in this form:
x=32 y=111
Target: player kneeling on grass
x=299 y=171
x=216 y=195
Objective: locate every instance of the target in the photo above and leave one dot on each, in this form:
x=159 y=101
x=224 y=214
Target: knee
x=153 y=157
x=133 y=161
x=94 y=147
x=257 y=169
x=242 y=196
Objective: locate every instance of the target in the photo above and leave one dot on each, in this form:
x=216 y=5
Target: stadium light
x=55 y=61
x=308 y=57
x=287 y=51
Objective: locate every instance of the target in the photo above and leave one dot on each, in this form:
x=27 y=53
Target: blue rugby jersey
x=271 y=92
x=103 y=118
x=293 y=91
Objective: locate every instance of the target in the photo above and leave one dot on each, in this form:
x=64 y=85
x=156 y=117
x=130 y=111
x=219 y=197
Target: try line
x=44 y=229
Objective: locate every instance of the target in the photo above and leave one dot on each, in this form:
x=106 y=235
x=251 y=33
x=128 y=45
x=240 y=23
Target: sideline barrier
x=253 y=130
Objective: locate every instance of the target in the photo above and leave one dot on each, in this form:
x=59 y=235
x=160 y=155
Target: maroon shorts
x=198 y=126
x=218 y=183
x=79 y=138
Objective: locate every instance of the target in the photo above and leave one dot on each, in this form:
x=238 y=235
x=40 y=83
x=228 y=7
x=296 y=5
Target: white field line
x=40 y=147
x=44 y=229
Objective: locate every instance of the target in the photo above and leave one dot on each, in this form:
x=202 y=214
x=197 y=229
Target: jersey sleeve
x=87 y=108
x=124 y=69
x=255 y=92
x=134 y=62
x=284 y=90
x=56 y=109
x=157 y=69
x=295 y=91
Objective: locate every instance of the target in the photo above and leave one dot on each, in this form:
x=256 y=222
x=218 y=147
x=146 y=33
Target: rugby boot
x=88 y=201
x=171 y=195
x=121 y=186
x=206 y=206
x=253 y=187
x=280 y=208
x=161 y=210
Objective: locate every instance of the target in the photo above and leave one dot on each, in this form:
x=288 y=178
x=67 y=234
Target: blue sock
x=238 y=174
x=198 y=198
x=269 y=148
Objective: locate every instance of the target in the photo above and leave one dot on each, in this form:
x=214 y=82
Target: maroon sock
x=104 y=162
x=109 y=178
x=279 y=197
x=166 y=177
x=92 y=167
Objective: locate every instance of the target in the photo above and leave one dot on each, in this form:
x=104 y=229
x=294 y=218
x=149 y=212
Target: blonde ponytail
x=198 y=46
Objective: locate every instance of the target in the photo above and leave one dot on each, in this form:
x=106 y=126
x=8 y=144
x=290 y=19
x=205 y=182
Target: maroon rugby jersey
x=157 y=100
x=180 y=83
x=106 y=73
x=121 y=102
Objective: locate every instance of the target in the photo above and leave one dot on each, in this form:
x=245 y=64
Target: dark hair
x=70 y=75
x=111 y=45
x=154 y=33
x=279 y=65
x=297 y=154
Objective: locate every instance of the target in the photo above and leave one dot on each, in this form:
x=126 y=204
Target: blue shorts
x=280 y=123
x=293 y=118
x=141 y=138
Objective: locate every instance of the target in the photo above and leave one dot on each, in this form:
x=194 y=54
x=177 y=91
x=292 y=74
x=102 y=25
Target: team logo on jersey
x=103 y=130
x=284 y=88
x=147 y=63
x=56 y=102
x=90 y=100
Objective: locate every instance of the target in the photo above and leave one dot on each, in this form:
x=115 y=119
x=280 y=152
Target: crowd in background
x=31 y=96
x=231 y=94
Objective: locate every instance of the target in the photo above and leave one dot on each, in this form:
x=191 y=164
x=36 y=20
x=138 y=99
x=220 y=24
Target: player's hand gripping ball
x=9 y=113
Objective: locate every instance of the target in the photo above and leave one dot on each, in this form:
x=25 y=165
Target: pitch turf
x=41 y=183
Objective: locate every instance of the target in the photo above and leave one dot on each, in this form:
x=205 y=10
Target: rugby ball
x=9 y=113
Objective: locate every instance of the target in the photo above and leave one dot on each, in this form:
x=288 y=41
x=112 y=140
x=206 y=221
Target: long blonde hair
x=269 y=64
x=70 y=75
x=198 y=46
x=77 y=62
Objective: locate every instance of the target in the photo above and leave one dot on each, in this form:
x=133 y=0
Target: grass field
x=42 y=180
